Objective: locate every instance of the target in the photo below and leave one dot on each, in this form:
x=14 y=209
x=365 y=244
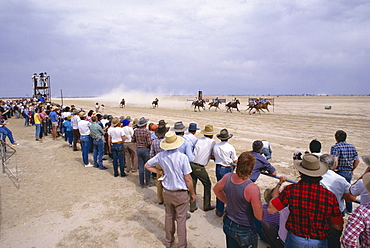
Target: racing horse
x=231 y=105
x=122 y=103
x=264 y=105
x=215 y=104
x=155 y=103
x=198 y=103
x=258 y=107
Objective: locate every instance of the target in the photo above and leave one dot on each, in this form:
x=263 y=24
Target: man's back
x=346 y=154
x=203 y=150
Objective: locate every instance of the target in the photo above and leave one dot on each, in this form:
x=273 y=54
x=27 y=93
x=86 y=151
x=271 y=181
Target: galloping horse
x=215 y=104
x=264 y=105
x=231 y=105
x=259 y=107
x=198 y=103
x=155 y=103
x=122 y=103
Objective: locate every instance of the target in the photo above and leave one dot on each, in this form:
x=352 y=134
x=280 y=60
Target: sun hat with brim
x=115 y=121
x=311 y=165
x=161 y=131
x=162 y=122
x=193 y=127
x=179 y=127
x=224 y=135
x=82 y=114
x=171 y=141
x=208 y=130
x=366 y=160
x=366 y=181
x=142 y=122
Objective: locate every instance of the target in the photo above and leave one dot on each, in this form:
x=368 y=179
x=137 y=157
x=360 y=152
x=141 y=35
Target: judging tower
x=41 y=87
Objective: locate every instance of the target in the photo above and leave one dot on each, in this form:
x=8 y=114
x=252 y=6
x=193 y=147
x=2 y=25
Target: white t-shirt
x=128 y=132
x=359 y=189
x=203 y=150
x=175 y=166
x=84 y=127
x=224 y=153
x=336 y=184
x=116 y=133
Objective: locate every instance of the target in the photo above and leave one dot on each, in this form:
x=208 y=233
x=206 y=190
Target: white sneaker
x=88 y=165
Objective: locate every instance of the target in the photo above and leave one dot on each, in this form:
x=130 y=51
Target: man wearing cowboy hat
x=225 y=155
x=143 y=141
x=358 y=225
x=203 y=152
x=84 y=129
x=186 y=148
x=54 y=121
x=129 y=147
x=177 y=185
x=313 y=209
x=358 y=188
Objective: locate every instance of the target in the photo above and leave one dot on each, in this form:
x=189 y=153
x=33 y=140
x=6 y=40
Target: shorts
x=54 y=123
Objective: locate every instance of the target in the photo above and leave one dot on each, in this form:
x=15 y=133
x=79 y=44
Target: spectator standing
x=129 y=147
x=177 y=186
x=116 y=138
x=67 y=124
x=190 y=135
x=76 y=133
x=84 y=129
x=358 y=188
x=346 y=159
x=225 y=155
x=97 y=134
x=203 y=152
x=313 y=209
x=143 y=142
x=243 y=204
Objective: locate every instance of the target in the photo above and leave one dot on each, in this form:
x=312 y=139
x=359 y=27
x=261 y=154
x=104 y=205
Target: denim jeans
x=294 y=241
x=98 y=150
x=239 y=236
x=220 y=172
x=38 y=131
x=118 y=156
x=348 y=176
x=85 y=144
x=69 y=135
x=143 y=156
x=26 y=120
x=7 y=133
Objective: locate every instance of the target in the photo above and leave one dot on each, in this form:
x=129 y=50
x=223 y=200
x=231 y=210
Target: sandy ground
x=56 y=202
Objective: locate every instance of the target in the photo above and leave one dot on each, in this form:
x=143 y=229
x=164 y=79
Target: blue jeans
x=7 y=133
x=26 y=120
x=348 y=176
x=98 y=150
x=38 y=131
x=239 y=236
x=118 y=156
x=294 y=241
x=220 y=172
x=69 y=135
x=142 y=157
x=267 y=153
x=85 y=144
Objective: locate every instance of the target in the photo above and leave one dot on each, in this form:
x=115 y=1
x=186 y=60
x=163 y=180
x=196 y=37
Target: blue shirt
x=53 y=116
x=186 y=148
x=261 y=165
x=346 y=154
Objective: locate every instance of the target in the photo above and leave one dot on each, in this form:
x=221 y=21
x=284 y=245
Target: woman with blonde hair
x=243 y=203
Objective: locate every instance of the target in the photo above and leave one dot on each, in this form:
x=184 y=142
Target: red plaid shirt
x=311 y=207
x=142 y=137
x=358 y=226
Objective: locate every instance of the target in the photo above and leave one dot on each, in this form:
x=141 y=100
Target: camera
x=297 y=156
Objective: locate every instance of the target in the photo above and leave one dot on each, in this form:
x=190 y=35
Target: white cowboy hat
x=171 y=141
x=311 y=165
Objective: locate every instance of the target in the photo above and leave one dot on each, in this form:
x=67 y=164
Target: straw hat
x=115 y=121
x=224 y=135
x=172 y=141
x=366 y=181
x=208 y=130
x=311 y=165
x=69 y=117
x=179 y=127
x=366 y=160
x=82 y=114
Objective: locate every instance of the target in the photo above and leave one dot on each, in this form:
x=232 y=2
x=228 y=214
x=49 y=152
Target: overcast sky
x=90 y=47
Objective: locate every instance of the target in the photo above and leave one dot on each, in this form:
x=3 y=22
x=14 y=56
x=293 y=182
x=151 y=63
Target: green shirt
x=96 y=131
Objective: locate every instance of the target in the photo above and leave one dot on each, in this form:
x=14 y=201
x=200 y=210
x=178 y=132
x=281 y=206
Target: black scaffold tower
x=41 y=87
